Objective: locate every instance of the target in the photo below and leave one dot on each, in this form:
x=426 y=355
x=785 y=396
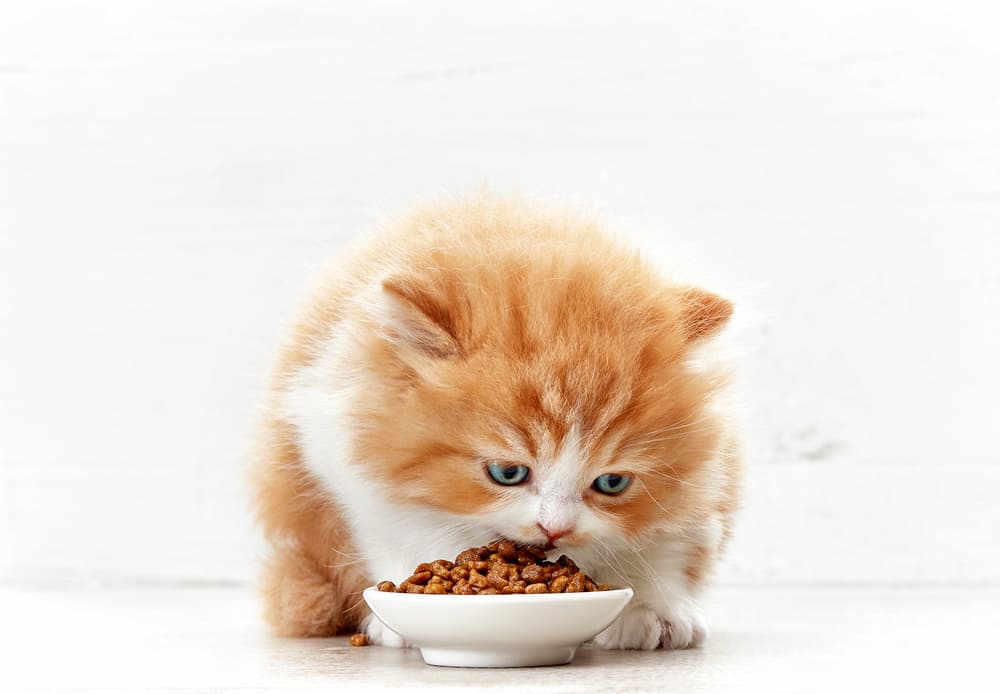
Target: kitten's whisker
x=611 y=560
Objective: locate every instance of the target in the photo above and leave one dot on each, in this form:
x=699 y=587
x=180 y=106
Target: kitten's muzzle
x=554 y=533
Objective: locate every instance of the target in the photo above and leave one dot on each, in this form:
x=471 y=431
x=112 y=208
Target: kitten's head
x=541 y=387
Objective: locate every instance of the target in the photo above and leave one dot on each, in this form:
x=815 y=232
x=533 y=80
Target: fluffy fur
x=487 y=329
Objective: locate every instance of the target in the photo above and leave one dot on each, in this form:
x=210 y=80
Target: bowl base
x=498 y=657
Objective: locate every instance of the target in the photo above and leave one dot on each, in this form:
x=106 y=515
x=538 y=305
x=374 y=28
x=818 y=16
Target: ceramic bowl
x=498 y=630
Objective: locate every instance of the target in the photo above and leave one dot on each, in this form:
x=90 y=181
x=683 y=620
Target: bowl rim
x=510 y=598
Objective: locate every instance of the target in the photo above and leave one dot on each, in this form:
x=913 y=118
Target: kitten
x=487 y=369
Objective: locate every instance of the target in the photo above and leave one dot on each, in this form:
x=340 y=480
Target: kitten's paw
x=637 y=628
x=381 y=635
x=683 y=628
x=642 y=628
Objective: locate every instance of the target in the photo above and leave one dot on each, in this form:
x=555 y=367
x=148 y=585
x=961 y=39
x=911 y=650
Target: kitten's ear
x=410 y=316
x=703 y=313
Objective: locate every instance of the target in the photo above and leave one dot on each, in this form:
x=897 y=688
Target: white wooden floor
x=765 y=640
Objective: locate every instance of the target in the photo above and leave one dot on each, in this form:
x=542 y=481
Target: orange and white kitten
x=486 y=369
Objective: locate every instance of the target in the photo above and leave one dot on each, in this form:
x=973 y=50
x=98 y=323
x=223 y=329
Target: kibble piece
x=576 y=584
x=488 y=591
x=563 y=560
x=533 y=573
x=477 y=579
x=360 y=639
x=604 y=586
x=558 y=584
x=459 y=573
x=442 y=568
x=386 y=586
x=467 y=556
x=420 y=577
x=511 y=589
x=536 y=588
x=434 y=589
x=507 y=549
x=496 y=579
x=414 y=588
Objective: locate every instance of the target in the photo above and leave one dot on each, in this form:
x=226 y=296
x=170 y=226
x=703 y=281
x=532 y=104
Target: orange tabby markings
x=487 y=320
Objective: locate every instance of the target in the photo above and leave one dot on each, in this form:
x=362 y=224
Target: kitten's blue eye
x=612 y=484
x=507 y=474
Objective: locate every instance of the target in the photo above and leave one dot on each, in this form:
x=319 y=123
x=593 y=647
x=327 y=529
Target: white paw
x=381 y=635
x=683 y=627
x=637 y=628
x=641 y=628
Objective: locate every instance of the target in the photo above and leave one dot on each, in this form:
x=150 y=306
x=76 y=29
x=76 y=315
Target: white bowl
x=498 y=630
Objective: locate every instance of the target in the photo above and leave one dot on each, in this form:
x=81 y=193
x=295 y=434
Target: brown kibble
x=568 y=563
x=420 y=577
x=576 y=584
x=360 y=639
x=500 y=568
x=507 y=549
x=467 y=556
x=496 y=579
x=533 y=573
x=477 y=579
x=442 y=568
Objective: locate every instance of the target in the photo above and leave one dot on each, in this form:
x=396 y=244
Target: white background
x=172 y=173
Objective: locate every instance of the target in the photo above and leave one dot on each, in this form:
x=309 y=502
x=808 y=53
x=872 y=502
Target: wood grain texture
x=171 y=174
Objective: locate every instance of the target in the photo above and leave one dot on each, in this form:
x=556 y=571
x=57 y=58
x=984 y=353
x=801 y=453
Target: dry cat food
x=500 y=568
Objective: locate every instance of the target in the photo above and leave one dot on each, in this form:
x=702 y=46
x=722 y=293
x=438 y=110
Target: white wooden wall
x=172 y=172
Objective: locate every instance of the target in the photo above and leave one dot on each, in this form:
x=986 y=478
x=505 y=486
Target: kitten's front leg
x=663 y=613
x=381 y=635
x=644 y=627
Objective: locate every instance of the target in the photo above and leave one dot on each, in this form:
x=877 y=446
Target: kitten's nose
x=554 y=534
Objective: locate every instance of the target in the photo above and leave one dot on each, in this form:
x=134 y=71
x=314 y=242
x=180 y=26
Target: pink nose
x=554 y=535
